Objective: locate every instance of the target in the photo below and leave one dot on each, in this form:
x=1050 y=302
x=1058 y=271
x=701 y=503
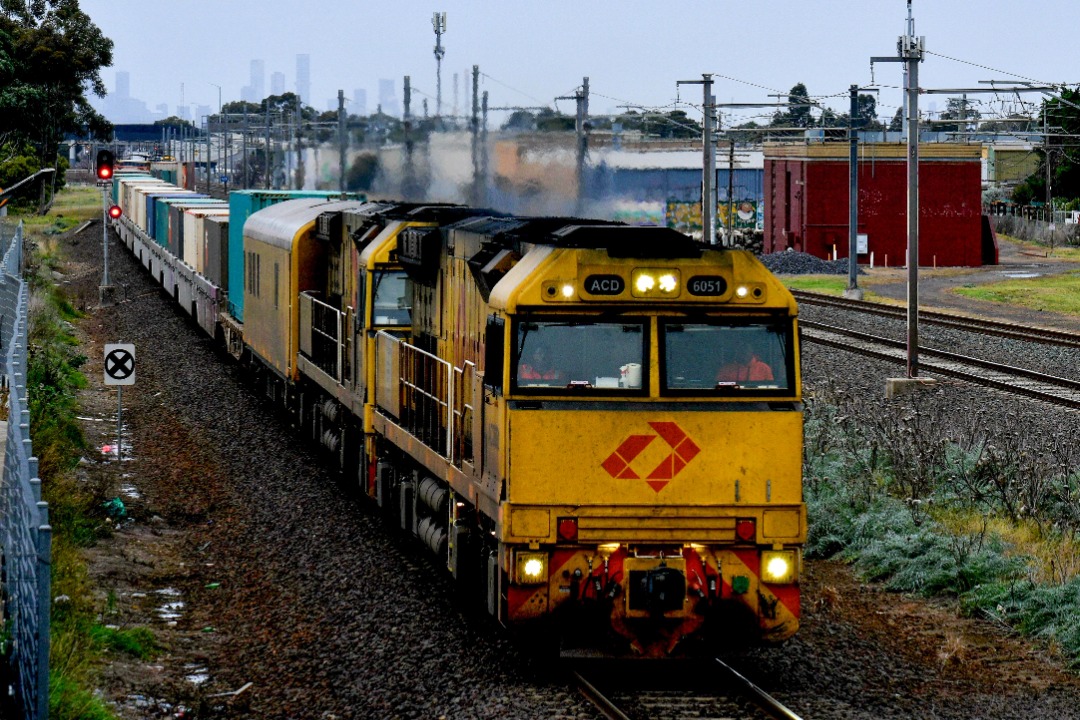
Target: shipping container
x=216 y=244
x=193 y=236
x=177 y=246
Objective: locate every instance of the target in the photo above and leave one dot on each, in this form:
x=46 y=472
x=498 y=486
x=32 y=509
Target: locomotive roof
x=278 y=224
x=620 y=240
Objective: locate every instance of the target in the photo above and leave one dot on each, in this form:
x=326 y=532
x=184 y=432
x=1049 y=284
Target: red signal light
x=105 y=163
x=115 y=212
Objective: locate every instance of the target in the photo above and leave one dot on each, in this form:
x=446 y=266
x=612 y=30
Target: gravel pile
x=291 y=585
x=790 y=262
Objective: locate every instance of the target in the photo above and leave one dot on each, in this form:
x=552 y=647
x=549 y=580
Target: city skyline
x=634 y=52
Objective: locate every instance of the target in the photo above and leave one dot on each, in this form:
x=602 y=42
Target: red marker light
x=115 y=212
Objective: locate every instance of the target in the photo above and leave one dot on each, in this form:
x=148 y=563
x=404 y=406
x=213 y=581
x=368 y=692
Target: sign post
x=119 y=371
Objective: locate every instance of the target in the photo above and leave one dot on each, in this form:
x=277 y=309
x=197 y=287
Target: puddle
x=171 y=610
x=1021 y=275
x=196 y=674
x=130 y=492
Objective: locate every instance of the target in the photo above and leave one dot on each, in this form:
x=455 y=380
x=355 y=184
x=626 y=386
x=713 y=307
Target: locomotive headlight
x=568 y=291
x=778 y=567
x=531 y=568
x=742 y=291
x=655 y=282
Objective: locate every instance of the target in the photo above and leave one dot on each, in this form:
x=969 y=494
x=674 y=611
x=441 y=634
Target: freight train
x=590 y=424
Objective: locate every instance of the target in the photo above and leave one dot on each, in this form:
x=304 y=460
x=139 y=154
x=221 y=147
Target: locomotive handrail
x=318 y=329
x=410 y=384
x=462 y=408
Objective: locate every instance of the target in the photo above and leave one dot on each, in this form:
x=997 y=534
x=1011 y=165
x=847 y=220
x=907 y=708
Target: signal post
x=105 y=167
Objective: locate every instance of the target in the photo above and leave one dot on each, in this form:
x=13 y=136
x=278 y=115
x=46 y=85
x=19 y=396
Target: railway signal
x=105 y=164
x=115 y=212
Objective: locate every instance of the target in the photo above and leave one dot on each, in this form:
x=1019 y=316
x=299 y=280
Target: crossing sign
x=120 y=364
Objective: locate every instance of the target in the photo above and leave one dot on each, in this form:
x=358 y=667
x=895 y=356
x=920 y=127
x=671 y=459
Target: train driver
x=537 y=366
x=744 y=366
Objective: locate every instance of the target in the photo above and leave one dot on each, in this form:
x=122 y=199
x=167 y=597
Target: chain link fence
x=25 y=533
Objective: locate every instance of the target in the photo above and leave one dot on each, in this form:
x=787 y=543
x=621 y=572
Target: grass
x=929 y=510
x=1054 y=293
x=79 y=642
x=827 y=284
x=1027 y=247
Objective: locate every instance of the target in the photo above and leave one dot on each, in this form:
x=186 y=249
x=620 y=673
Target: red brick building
x=806 y=202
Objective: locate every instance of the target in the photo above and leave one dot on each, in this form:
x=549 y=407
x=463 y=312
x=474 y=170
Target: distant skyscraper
x=359 y=102
x=277 y=83
x=119 y=107
x=387 y=100
x=256 y=90
x=123 y=85
x=303 y=77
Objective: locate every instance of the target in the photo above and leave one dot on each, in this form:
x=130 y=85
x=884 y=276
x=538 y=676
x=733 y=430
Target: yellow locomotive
x=596 y=423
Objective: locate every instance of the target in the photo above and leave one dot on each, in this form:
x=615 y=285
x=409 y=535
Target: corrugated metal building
x=806 y=197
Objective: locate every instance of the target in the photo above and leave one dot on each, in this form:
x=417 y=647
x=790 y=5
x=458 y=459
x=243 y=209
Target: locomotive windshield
x=392 y=298
x=740 y=356
x=581 y=355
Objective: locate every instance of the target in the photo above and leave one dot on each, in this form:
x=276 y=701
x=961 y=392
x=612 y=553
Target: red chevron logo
x=619 y=464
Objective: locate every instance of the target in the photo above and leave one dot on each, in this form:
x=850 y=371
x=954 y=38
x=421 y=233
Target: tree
x=1013 y=123
x=1062 y=115
x=239 y=107
x=797 y=114
x=174 y=122
x=551 y=121
x=957 y=109
x=897 y=122
x=51 y=55
x=521 y=120
x=866 y=113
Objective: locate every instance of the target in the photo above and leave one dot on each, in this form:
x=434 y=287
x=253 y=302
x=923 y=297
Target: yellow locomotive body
x=633 y=484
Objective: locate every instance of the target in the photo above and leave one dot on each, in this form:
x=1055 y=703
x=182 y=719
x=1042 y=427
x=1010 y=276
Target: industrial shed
x=806 y=202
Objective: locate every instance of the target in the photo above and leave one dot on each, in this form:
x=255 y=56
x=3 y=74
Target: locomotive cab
x=601 y=424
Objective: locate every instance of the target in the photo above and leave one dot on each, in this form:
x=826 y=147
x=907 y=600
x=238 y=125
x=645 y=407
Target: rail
x=1014 y=380
x=714 y=691
x=25 y=533
x=962 y=322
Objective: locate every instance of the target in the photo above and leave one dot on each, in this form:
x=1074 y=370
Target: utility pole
x=853 y=290
x=438 y=21
x=407 y=181
x=475 y=127
x=581 y=100
x=730 y=191
x=708 y=174
x=266 y=154
x=910 y=52
x=341 y=139
x=484 y=148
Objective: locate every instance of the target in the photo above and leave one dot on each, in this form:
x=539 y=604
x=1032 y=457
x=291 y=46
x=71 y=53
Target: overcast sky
x=633 y=51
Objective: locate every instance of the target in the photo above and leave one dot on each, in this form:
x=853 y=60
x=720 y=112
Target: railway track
x=1015 y=380
x=959 y=322
x=719 y=692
